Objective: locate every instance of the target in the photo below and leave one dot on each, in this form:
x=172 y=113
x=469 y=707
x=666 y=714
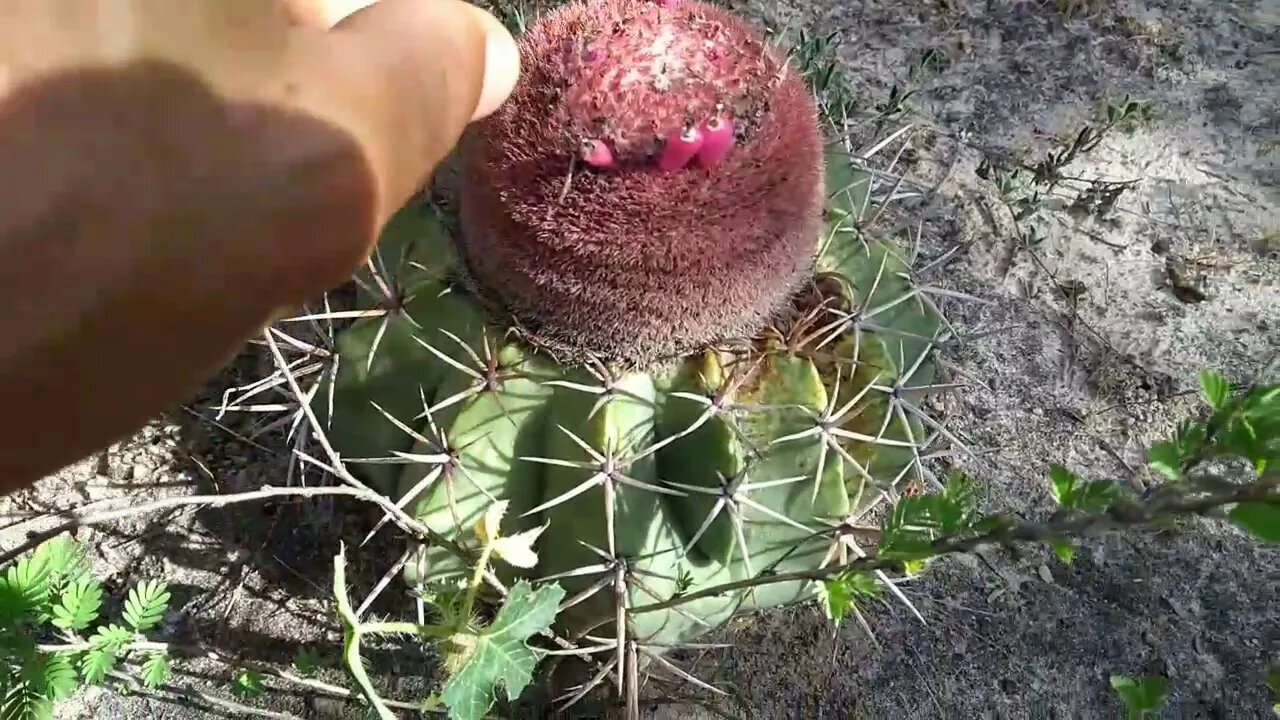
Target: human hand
x=174 y=171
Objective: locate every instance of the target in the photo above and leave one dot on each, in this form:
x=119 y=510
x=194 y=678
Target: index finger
x=405 y=77
x=322 y=14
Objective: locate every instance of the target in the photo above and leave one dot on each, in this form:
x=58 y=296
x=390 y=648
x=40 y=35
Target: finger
x=374 y=26
x=405 y=77
x=322 y=14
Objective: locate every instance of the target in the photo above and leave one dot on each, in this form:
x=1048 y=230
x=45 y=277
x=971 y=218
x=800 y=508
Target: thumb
x=405 y=77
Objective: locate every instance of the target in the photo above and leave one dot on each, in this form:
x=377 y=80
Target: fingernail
x=501 y=66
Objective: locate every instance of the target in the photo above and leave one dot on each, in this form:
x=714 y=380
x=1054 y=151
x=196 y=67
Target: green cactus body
x=717 y=468
x=657 y=477
x=486 y=426
x=387 y=366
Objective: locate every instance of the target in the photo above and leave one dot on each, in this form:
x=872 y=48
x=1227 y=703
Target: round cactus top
x=654 y=184
x=651 y=81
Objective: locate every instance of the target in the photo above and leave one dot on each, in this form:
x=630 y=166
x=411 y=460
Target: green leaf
x=841 y=594
x=955 y=508
x=903 y=536
x=95 y=665
x=1260 y=518
x=24 y=701
x=1214 y=388
x=684 y=581
x=1064 y=482
x=66 y=560
x=1075 y=494
x=155 y=670
x=106 y=645
x=916 y=522
x=432 y=704
x=13 y=607
x=306 y=662
x=1166 y=459
x=498 y=654
x=30 y=579
x=1247 y=427
x=79 y=605
x=146 y=605
x=1065 y=551
x=60 y=678
x=1099 y=495
x=248 y=684
x=516 y=549
x=1141 y=696
x=111 y=638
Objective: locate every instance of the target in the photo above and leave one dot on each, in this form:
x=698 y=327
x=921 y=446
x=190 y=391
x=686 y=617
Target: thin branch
x=195 y=651
x=1062 y=524
x=201 y=696
x=77 y=519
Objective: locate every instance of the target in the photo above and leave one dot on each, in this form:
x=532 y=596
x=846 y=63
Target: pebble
x=1045 y=575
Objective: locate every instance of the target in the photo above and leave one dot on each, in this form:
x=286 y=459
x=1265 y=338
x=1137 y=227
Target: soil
x=1081 y=349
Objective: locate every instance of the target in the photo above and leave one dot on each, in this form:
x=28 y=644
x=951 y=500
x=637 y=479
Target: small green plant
x=931 y=62
x=1025 y=187
x=1142 y=697
x=248 y=684
x=53 y=636
x=480 y=656
x=1128 y=114
x=1273 y=684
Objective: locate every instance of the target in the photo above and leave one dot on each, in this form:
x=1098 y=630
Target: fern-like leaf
x=146 y=604
x=79 y=605
x=59 y=676
x=915 y=522
x=843 y=592
x=105 y=648
x=112 y=638
x=13 y=604
x=155 y=671
x=23 y=701
x=29 y=582
x=67 y=561
x=95 y=665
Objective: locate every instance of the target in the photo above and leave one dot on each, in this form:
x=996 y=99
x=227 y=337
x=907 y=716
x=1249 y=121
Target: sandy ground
x=1084 y=352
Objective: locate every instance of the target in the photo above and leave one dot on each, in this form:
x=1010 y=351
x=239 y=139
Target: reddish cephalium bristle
x=625 y=260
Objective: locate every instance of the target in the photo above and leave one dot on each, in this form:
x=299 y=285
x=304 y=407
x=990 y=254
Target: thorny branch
x=1063 y=524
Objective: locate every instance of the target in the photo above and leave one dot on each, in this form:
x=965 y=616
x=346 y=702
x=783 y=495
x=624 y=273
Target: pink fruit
x=596 y=154
x=680 y=149
x=719 y=141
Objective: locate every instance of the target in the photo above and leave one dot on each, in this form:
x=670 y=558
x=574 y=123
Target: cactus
x=689 y=373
